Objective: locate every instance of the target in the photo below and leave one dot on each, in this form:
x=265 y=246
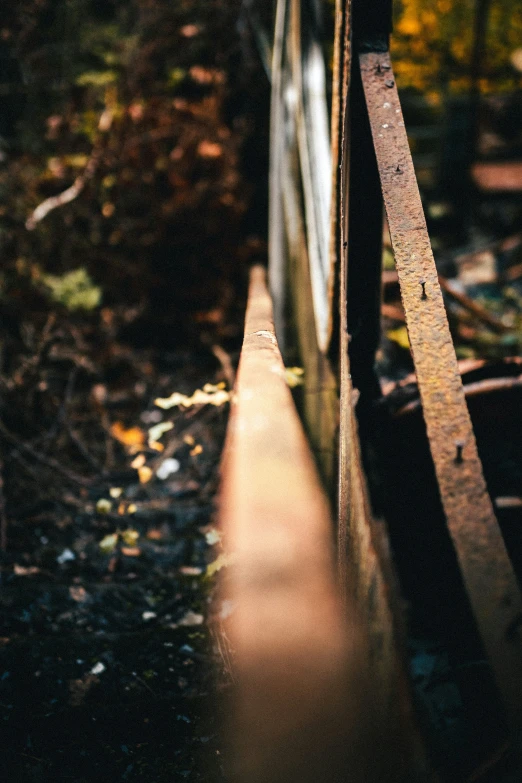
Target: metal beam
x=487 y=571
x=303 y=707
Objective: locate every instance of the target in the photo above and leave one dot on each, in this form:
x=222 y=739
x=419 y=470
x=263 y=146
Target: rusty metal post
x=487 y=572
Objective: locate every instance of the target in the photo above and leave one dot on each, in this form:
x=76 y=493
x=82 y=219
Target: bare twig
x=145 y=685
x=498 y=245
x=86 y=454
x=476 y=389
x=391 y=278
x=62 y=411
x=226 y=363
x=109 y=439
x=50 y=462
x=72 y=192
x=470 y=304
x=65 y=197
x=3 y=517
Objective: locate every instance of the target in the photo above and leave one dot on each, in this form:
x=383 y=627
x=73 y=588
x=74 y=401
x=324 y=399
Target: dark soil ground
x=107 y=666
x=105 y=656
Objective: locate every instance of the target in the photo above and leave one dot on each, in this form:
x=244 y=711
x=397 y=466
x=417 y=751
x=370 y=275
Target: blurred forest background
x=133 y=198
x=146 y=122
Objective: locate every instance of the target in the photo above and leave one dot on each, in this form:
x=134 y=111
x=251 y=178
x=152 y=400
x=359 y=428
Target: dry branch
x=72 y=192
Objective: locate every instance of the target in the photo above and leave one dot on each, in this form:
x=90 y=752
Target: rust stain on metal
x=488 y=575
x=300 y=705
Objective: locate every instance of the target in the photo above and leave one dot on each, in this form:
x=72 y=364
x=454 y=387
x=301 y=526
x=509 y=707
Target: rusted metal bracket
x=487 y=571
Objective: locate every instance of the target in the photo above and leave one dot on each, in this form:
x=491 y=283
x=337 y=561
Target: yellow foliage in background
x=432 y=45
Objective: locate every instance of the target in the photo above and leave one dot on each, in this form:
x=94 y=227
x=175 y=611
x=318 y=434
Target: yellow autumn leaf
x=131 y=437
x=145 y=474
x=409 y=25
x=220 y=562
x=76 y=161
x=399 y=336
x=294 y=376
x=103 y=506
x=209 y=395
x=130 y=536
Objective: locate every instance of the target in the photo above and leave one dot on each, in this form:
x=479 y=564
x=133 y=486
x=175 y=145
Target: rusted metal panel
x=487 y=572
x=302 y=707
x=363 y=558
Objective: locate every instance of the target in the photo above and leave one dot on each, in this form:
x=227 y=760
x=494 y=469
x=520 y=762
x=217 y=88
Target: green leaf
x=388 y=259
x=294 y=376
x=74 y=289
x=176 y=76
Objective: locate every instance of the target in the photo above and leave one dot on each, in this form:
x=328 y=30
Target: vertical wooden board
x=289 y=269
x=313 y=140
x=321 y=402
x=276 y=229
